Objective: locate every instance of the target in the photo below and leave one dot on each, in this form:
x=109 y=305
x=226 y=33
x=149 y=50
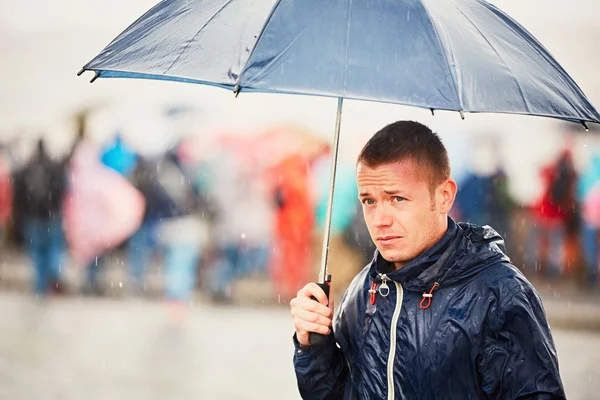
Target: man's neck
x=439 y=235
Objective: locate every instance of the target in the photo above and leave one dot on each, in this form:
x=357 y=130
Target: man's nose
x=382 y=217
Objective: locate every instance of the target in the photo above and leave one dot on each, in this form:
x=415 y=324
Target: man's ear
x=447 y=195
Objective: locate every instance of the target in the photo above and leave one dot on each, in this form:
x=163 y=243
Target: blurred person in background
x=483 y=197
x=184 y=234
x=589 y=196
x=294 y=225
x=244 y=226
x=357 y=236
x=551 y=214
x=38 y=195
x=159 y=205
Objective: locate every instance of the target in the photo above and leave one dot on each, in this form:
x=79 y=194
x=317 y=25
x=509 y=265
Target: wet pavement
x=77 y=347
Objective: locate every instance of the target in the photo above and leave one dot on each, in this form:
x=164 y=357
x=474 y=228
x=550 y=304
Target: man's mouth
x=388 y=239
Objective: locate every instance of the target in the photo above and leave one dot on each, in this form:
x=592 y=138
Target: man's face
x=403 y=217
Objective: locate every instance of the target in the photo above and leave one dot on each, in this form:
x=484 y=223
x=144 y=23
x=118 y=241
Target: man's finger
x=312 y=305
x=312 y=317
x=305 y=326
x=313 y=290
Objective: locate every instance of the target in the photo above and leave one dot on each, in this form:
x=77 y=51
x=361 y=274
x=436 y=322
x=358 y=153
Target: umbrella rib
x=498 y=54
x=272 y=61
x=543 y=52
x=260 y=35
x=446 y=56
x=187 y=45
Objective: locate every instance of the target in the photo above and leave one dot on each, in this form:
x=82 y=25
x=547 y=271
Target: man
x=39 y=192
x=440 y=313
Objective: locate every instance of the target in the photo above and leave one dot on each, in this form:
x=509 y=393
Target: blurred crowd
x=556 y=236
x=212 y=211
x=209 y=211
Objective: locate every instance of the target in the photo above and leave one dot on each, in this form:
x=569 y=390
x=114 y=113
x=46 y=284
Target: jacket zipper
x=393 y=331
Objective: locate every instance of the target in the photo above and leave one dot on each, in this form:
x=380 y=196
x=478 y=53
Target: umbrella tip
x=96 y=75
x=462 y=114
x=81 y=71
x=432 y=113
x=236 y=90
x=585 y=125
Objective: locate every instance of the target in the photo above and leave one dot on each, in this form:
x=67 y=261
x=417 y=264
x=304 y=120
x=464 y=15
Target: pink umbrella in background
x=278 y=144
x=102 y=209
x=5 y=193
x=257 y=151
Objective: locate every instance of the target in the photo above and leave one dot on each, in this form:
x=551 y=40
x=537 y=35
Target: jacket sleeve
x=519 y=359
x=321 y=371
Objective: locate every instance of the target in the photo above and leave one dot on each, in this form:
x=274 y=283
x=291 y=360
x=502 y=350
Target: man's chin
x=393 y=256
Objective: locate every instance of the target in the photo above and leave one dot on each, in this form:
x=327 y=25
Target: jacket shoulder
x=510 y=291
x=504 y=276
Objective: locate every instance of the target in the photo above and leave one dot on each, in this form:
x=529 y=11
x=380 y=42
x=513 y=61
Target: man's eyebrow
x=390 y=192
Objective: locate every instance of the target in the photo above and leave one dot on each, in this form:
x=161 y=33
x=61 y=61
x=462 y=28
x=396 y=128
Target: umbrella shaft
x=334 y=157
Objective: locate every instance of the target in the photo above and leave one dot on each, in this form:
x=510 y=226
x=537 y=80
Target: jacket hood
x=462 y=252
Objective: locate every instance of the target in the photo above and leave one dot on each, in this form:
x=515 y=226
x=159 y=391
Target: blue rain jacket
x=484 y=335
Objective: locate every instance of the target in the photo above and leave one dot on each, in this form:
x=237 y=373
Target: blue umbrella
x=461 y=55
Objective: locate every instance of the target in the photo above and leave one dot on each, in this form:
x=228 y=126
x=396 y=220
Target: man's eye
x=368 y=202
x=399 y=199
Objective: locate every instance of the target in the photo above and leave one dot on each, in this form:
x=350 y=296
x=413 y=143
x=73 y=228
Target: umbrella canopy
x=462 y=55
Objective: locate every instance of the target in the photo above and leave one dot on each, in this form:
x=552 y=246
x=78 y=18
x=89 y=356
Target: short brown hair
x=404 y=140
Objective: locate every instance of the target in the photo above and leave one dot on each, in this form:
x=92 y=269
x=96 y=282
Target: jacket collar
x=421 y=272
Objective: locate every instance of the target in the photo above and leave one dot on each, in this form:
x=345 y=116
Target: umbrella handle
x=318 y=339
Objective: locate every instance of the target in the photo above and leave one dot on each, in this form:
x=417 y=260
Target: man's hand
x=310 y=315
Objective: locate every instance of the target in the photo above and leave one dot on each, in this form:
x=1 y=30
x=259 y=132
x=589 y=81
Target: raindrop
x=243 y=236
x=120 y=284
